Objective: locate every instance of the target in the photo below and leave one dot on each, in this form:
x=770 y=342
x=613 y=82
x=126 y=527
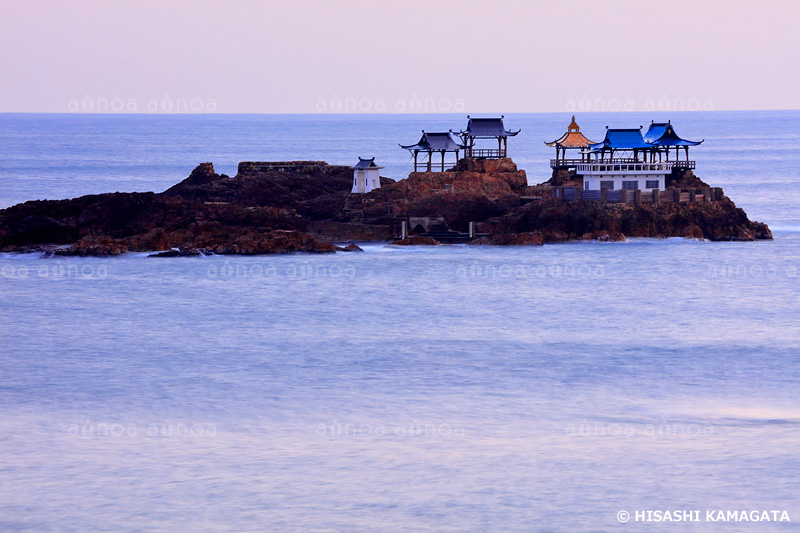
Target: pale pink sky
x=349 y=55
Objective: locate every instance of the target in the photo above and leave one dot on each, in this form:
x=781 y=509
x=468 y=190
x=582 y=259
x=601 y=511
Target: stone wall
x=252 y=168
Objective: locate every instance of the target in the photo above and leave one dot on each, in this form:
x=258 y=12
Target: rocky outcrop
x=562 y=221
x=684 y=179
x=298 y=206
x=249 y=214
x=475 y=190
x=564 y=178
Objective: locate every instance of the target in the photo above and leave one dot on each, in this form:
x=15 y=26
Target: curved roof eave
x=678 y=142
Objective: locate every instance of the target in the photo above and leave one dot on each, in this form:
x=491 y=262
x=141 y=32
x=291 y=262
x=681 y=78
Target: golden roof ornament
x=573 y=126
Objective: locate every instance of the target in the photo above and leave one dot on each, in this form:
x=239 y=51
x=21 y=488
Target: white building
x=366 y=176
x=631 y=176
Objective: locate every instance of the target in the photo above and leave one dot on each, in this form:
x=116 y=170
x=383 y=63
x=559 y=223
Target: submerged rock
x=352 y=247
x=93 y=247
x=191 y=252
x=416 y=240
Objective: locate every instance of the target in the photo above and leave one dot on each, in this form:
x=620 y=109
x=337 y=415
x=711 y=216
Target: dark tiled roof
x=435 y=141
x=487 y=128
x=365 y=163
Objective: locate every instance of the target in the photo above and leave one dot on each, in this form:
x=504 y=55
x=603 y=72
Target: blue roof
x=663 y=134
x=622 y=139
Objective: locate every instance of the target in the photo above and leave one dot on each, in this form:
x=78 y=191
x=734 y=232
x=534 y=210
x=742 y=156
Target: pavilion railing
x=488 y=153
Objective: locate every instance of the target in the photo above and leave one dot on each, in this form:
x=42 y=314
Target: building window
x=586 y=185
x=630 y=185
x=607 y=185
x=651 y=184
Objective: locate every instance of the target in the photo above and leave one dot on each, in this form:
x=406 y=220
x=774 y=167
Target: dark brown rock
x=331 y=231
x=102 y=246
x=517 y=239
x=560 y=221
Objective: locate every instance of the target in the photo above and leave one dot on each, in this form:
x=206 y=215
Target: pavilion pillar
x=443 y=160
x=430 y=157
x=416 y=153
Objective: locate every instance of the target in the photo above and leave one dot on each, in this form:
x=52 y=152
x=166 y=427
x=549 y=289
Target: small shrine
x=366 y=176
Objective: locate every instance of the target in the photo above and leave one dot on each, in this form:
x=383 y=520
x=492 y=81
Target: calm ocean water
x=449 y=389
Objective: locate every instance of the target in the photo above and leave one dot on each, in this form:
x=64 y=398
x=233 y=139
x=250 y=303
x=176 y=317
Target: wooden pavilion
x=433 y=143
x=573 y=139
x=486 y=128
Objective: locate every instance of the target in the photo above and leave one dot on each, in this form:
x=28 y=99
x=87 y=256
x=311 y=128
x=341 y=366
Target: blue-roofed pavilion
x=663 y=135
x=628 y=141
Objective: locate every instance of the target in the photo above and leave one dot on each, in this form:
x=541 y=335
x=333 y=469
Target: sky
x=301 y=56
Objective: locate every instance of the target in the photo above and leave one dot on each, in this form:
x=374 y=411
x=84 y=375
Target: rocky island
x=307 y=206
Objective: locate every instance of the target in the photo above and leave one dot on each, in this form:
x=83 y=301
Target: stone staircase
x=353 y=208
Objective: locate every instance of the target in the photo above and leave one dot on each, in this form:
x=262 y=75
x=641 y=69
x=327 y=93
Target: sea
x=647 y=385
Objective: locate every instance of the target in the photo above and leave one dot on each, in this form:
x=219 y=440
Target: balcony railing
x=611 y=166
x=565 y=162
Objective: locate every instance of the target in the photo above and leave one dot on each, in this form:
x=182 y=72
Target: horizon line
x=575 y=112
